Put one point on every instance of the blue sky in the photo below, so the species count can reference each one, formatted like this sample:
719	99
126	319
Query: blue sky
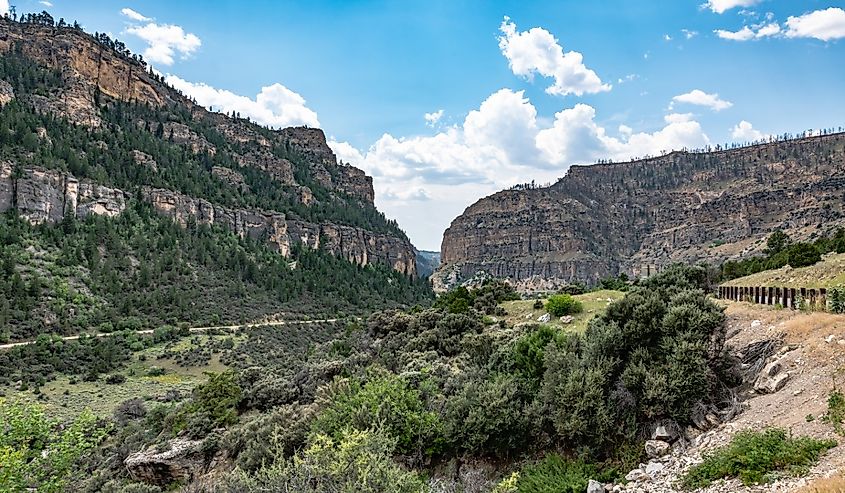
514	91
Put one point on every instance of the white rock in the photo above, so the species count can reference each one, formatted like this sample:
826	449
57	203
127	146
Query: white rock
756	323
544	318
653	468
637	475
656	448
830	338
595	487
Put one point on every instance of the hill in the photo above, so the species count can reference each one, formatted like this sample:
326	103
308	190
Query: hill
828	273
127	204
638	217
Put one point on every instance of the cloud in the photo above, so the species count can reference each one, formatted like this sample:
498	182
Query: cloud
689	34
825	25
701	98
4	7
274	106
722	6
163	40
46	3
135	16
743	34
501	143
627	78
744	131
536	51
666	37
757	31
431	119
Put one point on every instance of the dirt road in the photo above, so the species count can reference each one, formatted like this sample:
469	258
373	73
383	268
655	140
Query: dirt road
192	329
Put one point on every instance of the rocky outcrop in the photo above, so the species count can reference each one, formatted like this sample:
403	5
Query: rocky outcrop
637	217
230	176
181	461
270	227
7	93
90	74
144	159
42	195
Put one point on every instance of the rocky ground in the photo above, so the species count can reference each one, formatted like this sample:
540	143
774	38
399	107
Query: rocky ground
811	358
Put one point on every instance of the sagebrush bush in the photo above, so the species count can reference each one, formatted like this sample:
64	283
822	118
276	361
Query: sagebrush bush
563	304
555	474
357	460
757	457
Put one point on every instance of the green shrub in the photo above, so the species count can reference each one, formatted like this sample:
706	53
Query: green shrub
758	457
387	401
563	304
212	405
836	411
554	474
357	460
803	254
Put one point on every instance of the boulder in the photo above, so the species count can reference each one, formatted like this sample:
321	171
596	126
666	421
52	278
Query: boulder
544	318
770	384
595	487
637	475
666	431
656	448
654	468
178	463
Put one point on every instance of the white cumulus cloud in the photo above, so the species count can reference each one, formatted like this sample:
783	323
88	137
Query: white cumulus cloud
134	15
501	143
825	25
701	98
722	6
536	51
274	106
432	118
4	7
758	31
744	131
164	41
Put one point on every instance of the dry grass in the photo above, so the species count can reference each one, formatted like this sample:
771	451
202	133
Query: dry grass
834	484
825	274
521	311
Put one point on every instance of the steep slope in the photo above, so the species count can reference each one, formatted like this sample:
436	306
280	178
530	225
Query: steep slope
286	185
124	204
637	217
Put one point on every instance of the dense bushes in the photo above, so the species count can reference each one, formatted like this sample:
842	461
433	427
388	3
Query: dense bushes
359	461
385	401
782	251
34	451
433	385
563	304
758	457
555	474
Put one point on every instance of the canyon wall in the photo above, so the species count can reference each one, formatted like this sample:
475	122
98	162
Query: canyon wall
638	217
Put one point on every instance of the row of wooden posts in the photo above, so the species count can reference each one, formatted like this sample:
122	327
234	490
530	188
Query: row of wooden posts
785	297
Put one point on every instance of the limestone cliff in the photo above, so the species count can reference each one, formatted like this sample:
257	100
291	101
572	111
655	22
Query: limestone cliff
93	75
640	216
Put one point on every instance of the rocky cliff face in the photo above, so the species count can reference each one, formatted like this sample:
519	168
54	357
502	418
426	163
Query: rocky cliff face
92	72
640	216
42	195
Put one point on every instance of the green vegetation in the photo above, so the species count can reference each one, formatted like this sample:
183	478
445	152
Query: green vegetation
359	461
555	474
781	251
143	270
758	457
33	451
836	411
563	304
